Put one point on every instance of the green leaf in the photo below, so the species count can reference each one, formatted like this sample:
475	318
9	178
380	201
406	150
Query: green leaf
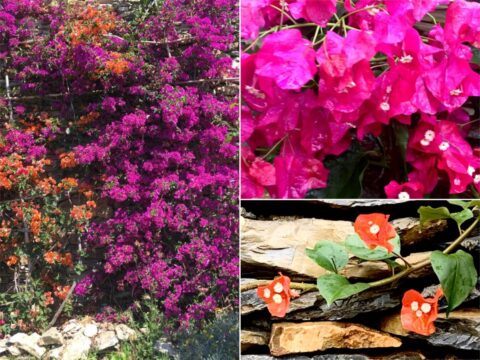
345	179
457	275
461	203
428	213
473	203
357	247
334	287
462	216
329	255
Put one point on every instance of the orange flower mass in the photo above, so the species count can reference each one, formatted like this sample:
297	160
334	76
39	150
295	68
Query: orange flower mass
375	230
418	313
277	295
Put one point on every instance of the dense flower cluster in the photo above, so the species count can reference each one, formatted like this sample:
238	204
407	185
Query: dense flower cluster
146	129
368	76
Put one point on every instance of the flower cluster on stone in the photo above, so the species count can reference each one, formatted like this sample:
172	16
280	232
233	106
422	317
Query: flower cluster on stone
277	295
327	84
144	124
419	313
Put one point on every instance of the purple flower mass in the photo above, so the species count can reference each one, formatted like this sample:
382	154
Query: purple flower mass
144	113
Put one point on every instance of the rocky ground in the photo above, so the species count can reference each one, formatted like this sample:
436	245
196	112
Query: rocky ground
72	341
366	325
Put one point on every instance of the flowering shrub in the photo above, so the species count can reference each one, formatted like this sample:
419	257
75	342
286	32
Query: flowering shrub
456	271
364	98
144	125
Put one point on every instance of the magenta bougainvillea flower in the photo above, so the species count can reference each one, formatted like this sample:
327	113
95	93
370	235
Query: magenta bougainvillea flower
316	11
408	190
367	92
287	58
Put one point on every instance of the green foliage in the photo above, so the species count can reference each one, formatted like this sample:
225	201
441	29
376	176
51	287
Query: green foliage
346	176
217	340
329	255
457	275
357	247
334	287
428	213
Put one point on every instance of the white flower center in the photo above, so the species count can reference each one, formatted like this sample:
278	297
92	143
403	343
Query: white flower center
404	195
374	229
266	293
414	306
471	170
388	89
429	135
277	298
457	181
278	288
426	308
476	180
406	59
418	313
424	142
456	92
444	146
385	106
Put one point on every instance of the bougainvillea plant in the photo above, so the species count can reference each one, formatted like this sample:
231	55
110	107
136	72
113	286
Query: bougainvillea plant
456	271
367	98
277	295
146	125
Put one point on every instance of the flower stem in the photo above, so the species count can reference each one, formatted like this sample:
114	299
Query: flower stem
378	283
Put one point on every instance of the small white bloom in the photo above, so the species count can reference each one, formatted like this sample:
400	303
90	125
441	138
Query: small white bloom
457	181
404	195
426	308
418	313
429	135
456	92
444	146
471	170
385	106
374	229
266	293
277	298
414	306
406	59
476	179
278	288
424	142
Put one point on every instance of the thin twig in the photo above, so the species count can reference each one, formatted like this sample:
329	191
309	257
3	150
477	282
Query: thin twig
60	309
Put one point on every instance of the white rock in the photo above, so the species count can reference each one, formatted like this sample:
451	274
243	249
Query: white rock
125	333
14	351
3	346
90	330
71	329
105	340
51	337
77	348
27	343
55	354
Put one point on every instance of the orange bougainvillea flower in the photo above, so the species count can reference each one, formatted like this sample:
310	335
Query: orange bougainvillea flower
375	230
67	160
48	298
418	313
12	260
52	256
277	295
62	292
